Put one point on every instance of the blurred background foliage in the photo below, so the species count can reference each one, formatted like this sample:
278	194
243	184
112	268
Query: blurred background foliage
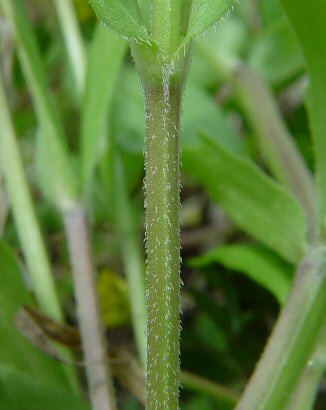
234	280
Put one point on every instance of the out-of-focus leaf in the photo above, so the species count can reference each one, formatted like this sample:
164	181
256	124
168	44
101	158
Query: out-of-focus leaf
254	201
271	10
23	392
16	353
200	113
258	263
57	178
204	14
128	104
122	17
210	333
275	53
309	23
105	59
201	402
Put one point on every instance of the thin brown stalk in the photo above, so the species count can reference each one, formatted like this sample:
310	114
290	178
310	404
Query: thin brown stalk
99	375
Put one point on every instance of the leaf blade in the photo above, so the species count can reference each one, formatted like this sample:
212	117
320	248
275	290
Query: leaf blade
254	201
312	40
121	17
57	178
105	60
258	263
204	14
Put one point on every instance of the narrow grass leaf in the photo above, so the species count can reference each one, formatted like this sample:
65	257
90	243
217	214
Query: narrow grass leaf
122	17
255	202
30	393
57	177
308	21
105	60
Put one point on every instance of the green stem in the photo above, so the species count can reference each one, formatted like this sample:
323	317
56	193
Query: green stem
166	20
24	214
73	41
163	101
307	389
295	334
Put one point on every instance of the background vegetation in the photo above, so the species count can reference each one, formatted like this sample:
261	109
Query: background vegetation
247	155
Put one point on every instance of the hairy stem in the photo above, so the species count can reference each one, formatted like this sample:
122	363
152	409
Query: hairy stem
92	333
163	100
295	334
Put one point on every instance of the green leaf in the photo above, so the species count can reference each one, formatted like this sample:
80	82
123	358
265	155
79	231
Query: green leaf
253	200
58	180
16	352
201	113
257	262
275	53
122	17
308	21
204	14
32	393
128	104
210	333
105	60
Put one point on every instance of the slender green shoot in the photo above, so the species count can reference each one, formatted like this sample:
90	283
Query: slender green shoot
306	390
294	337
73	42
57	177
24	214
220	393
